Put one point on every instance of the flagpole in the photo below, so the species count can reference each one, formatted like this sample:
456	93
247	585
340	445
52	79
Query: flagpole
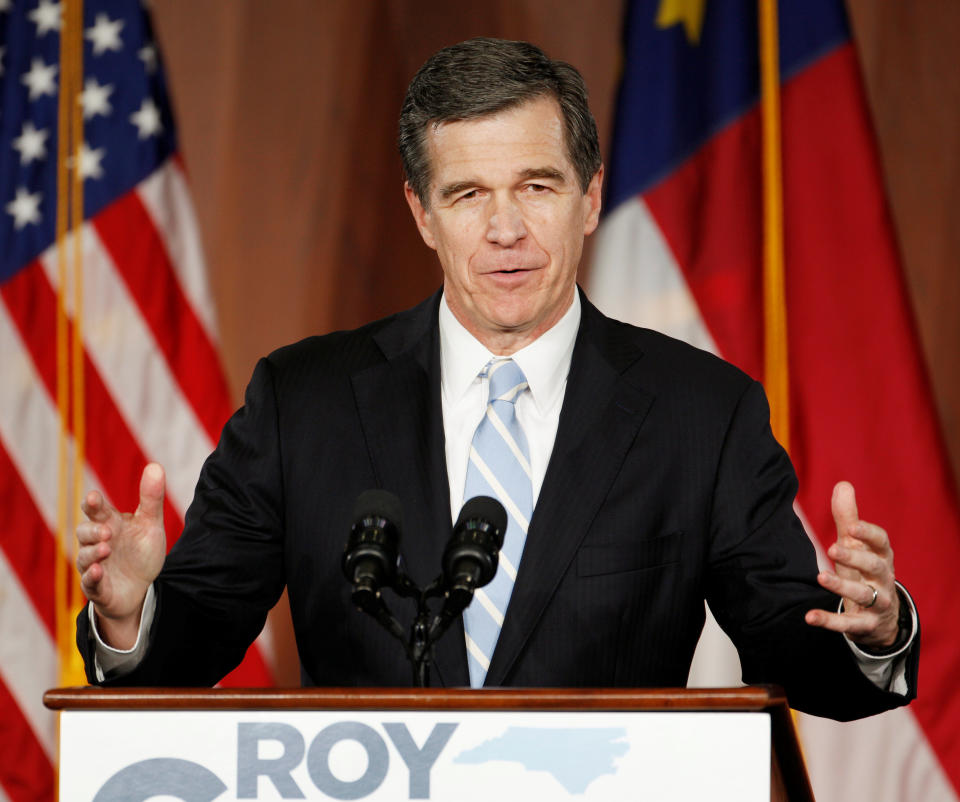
70	385
776	376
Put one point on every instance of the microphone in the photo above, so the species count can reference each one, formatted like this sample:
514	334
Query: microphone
472	554
371	562
370	555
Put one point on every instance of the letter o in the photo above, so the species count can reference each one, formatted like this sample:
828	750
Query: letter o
318	760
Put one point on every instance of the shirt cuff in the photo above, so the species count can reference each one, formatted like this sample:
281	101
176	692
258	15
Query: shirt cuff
888	671
110	663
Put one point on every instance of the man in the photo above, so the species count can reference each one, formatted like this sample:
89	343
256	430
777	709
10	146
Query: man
649	467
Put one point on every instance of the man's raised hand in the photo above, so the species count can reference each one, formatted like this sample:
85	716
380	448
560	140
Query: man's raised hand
119	556
864	577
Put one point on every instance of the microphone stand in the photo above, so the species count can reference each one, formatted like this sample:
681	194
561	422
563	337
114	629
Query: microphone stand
426	628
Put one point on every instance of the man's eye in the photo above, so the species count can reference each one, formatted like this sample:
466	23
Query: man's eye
537	188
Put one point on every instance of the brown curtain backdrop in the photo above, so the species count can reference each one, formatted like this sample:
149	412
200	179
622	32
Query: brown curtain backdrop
287	114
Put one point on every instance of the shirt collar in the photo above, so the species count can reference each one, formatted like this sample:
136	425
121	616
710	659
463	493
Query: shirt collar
545	362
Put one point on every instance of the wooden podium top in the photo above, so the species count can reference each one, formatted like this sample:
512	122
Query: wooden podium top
758	698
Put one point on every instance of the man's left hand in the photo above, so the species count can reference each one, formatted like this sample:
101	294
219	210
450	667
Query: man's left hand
864	578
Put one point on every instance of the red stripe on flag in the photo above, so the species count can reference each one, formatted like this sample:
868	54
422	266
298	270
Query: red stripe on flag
861	399
253	672
27	542
141	259
111	449
25	770
709	211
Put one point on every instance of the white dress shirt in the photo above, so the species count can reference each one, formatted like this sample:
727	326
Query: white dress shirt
464	395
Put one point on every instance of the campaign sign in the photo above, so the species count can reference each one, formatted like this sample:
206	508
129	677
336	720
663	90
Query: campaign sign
446	756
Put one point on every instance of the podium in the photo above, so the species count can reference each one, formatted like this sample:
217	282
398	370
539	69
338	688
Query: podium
201	745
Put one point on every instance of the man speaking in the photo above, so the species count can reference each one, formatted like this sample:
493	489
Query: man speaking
639	475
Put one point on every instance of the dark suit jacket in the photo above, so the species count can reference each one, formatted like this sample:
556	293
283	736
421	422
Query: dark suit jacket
665	487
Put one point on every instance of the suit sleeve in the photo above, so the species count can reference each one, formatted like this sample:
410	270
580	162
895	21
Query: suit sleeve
762	579
226	571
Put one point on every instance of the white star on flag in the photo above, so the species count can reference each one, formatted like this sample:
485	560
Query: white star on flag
48	16
40	79
148	55
105	34
147	119
95	98
5	5
31	144
25	208
88	161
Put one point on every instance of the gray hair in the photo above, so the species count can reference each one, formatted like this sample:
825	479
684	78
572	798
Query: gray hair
481	77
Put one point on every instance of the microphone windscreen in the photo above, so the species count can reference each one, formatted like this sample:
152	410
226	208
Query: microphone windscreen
380	503
486	509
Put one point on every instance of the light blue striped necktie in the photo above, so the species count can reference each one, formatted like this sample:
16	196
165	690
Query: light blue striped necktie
499	466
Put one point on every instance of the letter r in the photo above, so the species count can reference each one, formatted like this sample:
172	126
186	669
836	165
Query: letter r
250	765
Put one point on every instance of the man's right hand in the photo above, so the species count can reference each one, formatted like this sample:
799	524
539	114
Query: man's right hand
120	555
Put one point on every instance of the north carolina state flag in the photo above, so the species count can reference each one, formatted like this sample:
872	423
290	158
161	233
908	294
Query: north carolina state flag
680	250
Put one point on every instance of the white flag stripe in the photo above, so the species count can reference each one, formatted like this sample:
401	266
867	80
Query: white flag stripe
28	658
479	595
498	489
508	439
135	371
885	758
30	425
478	655
637	280
166	197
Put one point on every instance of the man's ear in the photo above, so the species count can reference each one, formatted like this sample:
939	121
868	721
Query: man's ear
420	215
591	200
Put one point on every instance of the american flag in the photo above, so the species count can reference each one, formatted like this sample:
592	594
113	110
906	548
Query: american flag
152	386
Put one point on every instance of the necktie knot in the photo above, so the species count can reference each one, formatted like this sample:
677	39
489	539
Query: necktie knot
506	380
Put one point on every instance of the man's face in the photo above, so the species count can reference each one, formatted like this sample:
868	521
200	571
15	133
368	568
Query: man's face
507	219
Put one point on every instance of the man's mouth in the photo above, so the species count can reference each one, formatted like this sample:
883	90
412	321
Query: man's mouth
508	270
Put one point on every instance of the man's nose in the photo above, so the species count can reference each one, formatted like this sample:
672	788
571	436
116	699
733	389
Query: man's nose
505	225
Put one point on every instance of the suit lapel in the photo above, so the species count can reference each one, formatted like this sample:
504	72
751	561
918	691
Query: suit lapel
601	415
398	402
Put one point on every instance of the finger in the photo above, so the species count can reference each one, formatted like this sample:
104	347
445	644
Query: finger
858	561
871	535
860	624
860	593
151	492
96	507
90	532
90	580
843	505
88	555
